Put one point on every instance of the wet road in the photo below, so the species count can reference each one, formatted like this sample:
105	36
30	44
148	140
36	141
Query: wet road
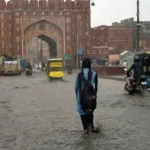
38	115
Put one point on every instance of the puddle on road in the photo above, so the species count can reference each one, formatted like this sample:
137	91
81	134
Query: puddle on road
118	104
3	102
16	87
47	81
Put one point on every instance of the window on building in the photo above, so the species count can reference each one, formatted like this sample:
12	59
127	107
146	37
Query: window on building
17	28
17	39
9	17
68	38
68	29
2	44
100	52
2	25
68	20
2	33
9	26
2	16
17	20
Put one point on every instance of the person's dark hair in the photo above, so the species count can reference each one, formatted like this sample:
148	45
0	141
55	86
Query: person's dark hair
136	59
86	63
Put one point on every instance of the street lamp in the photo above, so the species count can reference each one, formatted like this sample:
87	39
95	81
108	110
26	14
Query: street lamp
92	4
138	25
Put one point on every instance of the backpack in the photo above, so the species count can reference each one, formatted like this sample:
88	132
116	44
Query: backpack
87	93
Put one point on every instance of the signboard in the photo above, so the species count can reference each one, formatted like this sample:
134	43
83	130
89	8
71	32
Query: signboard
56	64
67	56
80	51
148	52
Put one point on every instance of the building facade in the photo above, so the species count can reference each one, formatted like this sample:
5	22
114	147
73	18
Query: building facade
144	32
111	39
62	24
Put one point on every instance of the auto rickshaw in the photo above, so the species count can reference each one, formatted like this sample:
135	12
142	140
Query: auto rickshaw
55	68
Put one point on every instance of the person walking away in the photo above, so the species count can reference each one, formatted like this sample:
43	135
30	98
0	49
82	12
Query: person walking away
86	86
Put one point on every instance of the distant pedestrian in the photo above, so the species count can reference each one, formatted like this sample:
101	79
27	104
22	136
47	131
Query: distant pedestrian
86	86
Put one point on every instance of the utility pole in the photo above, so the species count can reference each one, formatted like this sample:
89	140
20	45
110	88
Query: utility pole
138	25
86	37
41	51
77	45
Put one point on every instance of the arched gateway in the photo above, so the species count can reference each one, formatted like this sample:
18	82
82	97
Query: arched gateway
63	24
47	32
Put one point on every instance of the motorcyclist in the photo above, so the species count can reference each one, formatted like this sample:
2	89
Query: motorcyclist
28	66
137	72
69	68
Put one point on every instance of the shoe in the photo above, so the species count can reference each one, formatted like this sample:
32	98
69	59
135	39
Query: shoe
86	132
95	131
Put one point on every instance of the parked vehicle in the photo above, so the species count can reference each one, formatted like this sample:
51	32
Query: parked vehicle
10	66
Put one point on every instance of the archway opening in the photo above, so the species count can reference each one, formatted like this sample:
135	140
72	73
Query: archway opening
41	48
52	45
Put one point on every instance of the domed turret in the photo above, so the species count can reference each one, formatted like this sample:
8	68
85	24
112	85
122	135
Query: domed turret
2	4
9	5
33	4
17	4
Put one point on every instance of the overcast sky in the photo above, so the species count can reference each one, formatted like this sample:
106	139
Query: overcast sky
107	11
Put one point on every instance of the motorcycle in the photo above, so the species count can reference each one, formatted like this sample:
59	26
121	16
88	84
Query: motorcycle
28	71
69	71
125	70
136	87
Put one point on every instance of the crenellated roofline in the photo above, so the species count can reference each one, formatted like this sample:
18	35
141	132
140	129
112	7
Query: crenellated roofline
45	4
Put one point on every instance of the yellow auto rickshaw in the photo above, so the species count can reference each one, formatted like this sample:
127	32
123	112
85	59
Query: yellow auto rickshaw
55	68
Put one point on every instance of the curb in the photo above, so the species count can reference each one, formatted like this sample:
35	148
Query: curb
112	78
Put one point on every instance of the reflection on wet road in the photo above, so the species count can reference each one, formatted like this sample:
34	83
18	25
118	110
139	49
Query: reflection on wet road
38	115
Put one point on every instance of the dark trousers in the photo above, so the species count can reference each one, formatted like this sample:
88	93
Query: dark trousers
87	120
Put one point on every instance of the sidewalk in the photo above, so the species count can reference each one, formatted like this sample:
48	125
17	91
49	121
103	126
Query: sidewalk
116	77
